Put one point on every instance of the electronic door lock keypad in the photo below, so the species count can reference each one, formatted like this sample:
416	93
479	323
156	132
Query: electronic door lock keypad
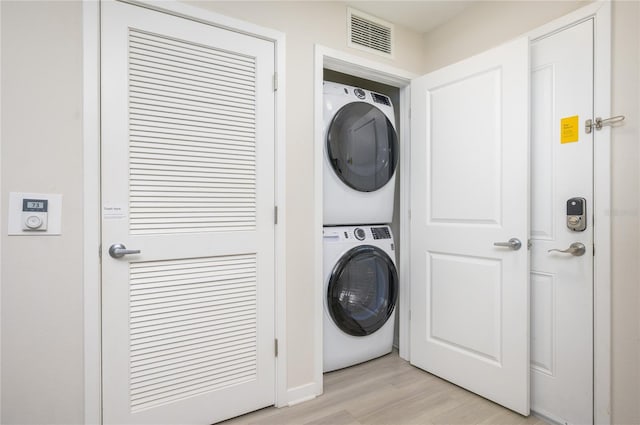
577	214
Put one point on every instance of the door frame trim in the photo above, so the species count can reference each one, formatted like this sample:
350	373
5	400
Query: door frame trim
91	189
358	66
600	12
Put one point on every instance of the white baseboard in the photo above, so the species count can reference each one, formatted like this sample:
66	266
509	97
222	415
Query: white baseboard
547	418
301	394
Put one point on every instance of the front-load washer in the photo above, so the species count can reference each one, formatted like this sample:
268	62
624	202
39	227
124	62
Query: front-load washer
360	156
360	294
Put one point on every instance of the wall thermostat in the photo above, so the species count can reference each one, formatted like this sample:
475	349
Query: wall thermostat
35	214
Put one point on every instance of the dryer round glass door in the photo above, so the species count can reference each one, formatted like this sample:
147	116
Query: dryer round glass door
362	290
362	146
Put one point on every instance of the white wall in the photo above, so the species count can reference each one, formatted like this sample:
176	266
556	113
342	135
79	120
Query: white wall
491	23
488	24
42	343
625	218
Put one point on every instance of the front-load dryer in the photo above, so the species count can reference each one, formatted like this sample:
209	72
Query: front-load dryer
360	294
360	156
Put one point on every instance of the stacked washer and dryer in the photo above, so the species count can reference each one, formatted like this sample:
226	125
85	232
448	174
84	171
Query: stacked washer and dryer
360	275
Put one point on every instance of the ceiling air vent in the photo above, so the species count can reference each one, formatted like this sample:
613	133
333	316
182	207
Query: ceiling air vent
369	33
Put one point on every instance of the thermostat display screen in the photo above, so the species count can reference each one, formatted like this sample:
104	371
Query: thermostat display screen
37	205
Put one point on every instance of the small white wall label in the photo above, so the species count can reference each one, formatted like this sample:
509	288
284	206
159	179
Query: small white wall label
114	212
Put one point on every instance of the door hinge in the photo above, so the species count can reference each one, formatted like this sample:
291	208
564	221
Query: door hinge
100	252
275	214
594	250
275	81
276	346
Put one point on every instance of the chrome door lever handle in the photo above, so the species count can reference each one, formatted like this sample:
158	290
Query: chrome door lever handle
513	243
576	249
117	250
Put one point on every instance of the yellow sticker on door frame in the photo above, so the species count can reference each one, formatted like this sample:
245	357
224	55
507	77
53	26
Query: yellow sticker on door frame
569	131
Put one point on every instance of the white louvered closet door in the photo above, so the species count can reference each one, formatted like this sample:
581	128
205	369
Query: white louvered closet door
187	179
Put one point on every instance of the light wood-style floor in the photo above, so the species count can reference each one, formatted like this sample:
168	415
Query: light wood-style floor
387	391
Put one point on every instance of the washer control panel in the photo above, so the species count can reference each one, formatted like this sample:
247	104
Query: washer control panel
360	94
381	232
356	233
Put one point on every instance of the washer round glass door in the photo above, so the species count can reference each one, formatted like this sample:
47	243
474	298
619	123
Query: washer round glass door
362	290
362	146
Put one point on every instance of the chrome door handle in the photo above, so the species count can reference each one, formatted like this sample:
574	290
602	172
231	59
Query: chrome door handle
577	249
513	243
117	250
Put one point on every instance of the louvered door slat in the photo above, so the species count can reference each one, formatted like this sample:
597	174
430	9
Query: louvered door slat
181	336
144	118
158	325
193	263
187	105
189	64
188	363
153	78
180	302
245	162
177	392
162	375
159	317
144	362
143	128
184	374
194	50
194	146
150	113
194	291
150	317
177	174
146	357
183	58
154	274
180	202
240	100
188	324
203	180
239	334
153	321
202	349
186	112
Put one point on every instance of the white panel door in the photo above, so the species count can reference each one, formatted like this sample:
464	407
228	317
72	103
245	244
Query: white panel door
187	179
561	283
469	189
